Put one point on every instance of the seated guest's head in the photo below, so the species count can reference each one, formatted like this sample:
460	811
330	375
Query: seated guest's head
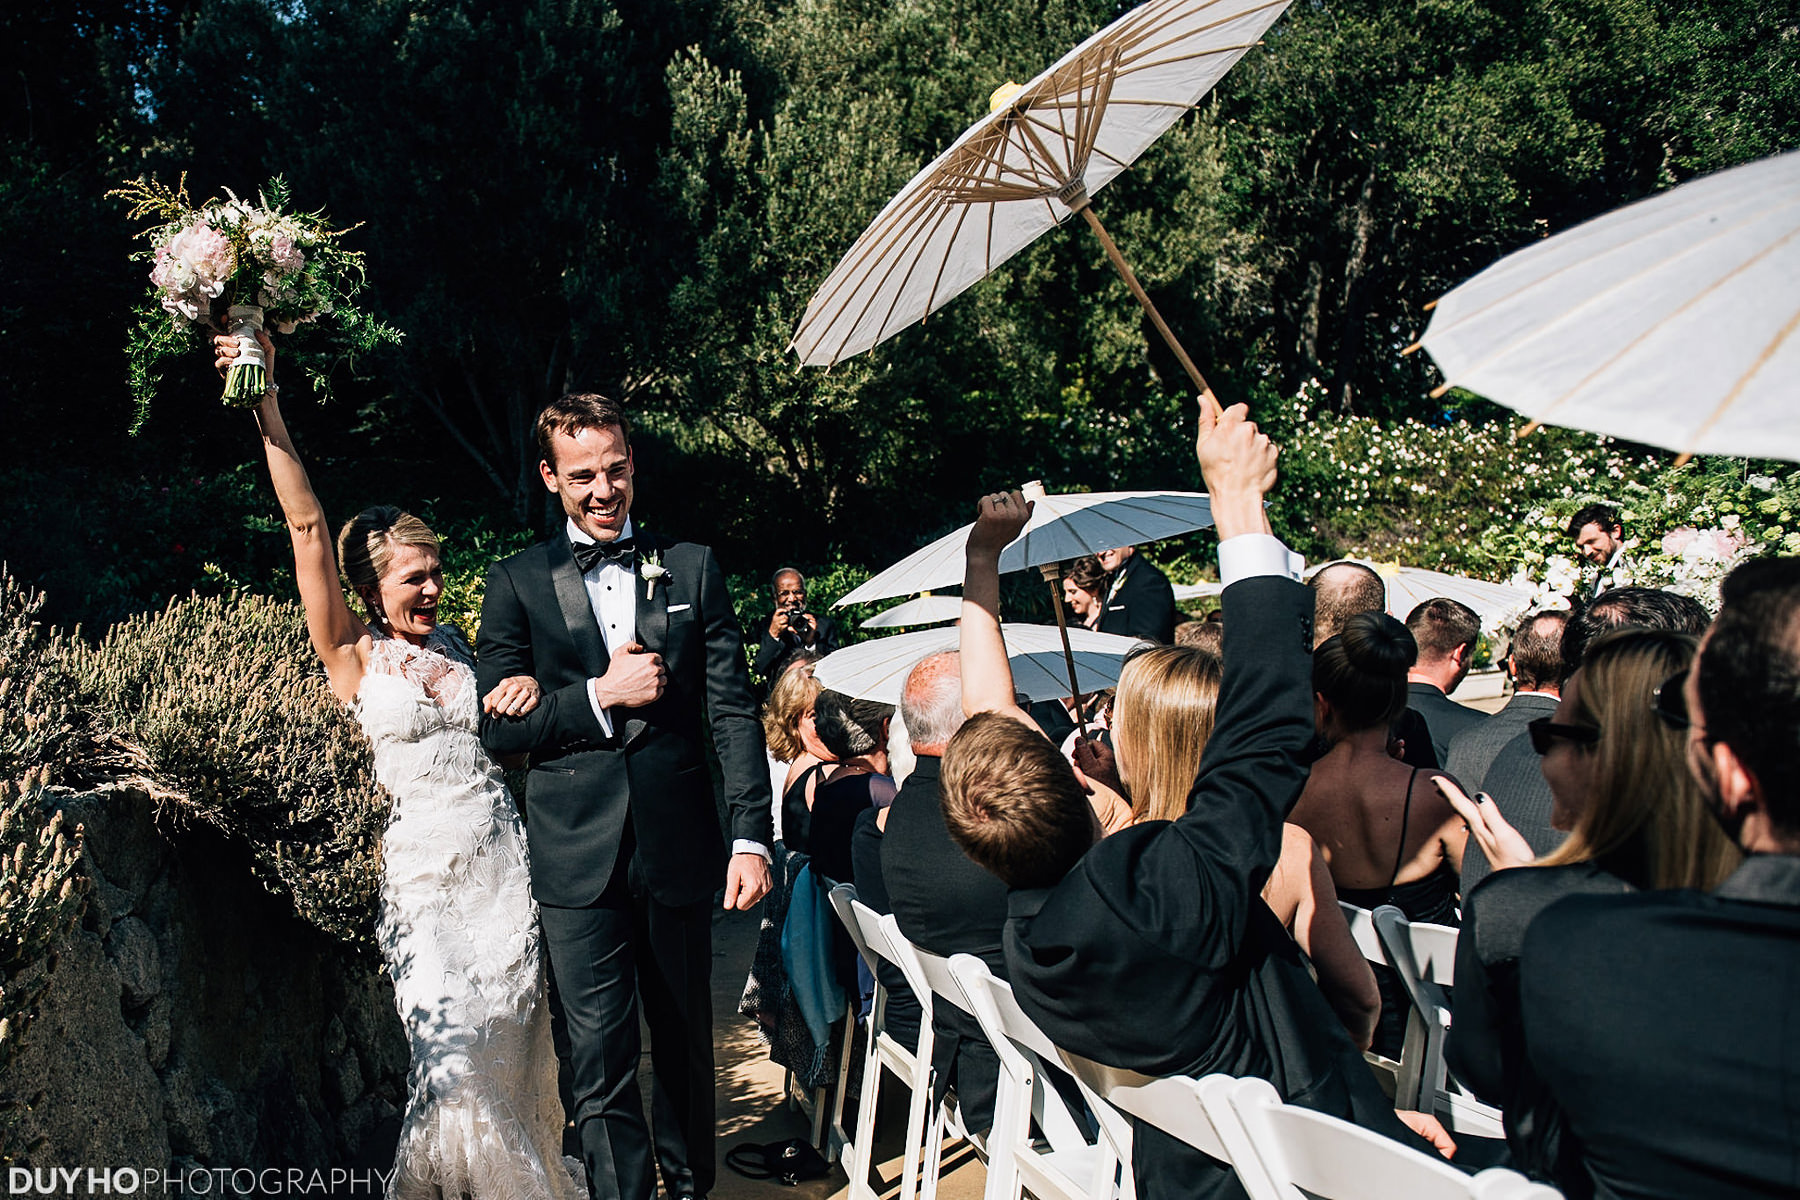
1163	717
1644	608
1743	708
931	702
1618	780
1446	631
787	714
1012	802
1359	675
851	728
1208	637
1535	660
1340	591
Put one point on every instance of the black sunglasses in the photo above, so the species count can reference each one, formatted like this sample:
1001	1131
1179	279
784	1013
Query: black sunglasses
1544	733
1670	701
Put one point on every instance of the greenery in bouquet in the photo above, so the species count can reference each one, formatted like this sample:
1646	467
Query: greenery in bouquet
239	267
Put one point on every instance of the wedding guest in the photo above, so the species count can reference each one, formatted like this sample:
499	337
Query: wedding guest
1167	698
1150	950
855	732
788	704
943	902
1446	632
1387	835
1662	1022
1599	537
791	627
1340	591
1208	637
1140	602
1085	584
1513	780
1534	663
1636	821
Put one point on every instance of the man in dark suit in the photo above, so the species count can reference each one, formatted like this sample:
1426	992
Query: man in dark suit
1535	665
1514	781
1600	539
631	636
1446	632
1662	1022
1152	950
942	901
791	628
1141	601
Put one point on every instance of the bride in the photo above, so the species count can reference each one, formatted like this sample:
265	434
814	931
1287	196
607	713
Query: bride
458	928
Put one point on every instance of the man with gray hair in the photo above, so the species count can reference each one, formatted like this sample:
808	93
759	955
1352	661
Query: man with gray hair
942	901
792	628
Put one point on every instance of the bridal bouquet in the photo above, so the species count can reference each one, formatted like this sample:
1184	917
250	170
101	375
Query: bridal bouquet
239	267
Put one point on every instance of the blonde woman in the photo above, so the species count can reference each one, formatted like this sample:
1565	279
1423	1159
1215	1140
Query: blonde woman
1162	720
458	928
1620	786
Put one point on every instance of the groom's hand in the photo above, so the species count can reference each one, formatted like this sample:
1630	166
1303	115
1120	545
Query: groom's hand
635	677
746	881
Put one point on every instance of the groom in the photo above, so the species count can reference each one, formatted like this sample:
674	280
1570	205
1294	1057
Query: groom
630	636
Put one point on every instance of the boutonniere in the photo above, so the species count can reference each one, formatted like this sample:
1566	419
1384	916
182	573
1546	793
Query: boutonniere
652	570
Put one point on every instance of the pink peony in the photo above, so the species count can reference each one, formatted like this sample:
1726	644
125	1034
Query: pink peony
1676	540
206	251
284	254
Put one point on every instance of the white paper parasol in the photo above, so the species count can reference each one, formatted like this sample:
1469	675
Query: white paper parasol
1671	321
877	669
1027	167
923	610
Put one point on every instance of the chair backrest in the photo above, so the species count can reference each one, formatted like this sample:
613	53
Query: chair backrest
843	901
932	970
1309	1152
1418	950
1362	931
883	940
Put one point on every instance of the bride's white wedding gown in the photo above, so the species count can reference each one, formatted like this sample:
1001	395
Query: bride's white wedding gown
459	932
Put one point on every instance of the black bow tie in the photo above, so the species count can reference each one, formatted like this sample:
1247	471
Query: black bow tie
589	555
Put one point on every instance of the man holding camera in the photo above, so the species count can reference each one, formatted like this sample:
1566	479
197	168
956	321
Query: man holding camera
791	627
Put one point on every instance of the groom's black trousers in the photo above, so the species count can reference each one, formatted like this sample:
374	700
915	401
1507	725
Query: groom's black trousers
623	948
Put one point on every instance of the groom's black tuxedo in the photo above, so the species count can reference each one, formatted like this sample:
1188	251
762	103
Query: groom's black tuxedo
626	849
536	620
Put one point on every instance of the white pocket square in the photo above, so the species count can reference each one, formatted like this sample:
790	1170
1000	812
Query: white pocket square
675	608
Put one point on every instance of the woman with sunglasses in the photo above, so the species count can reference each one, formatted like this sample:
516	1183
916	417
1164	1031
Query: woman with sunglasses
1614	757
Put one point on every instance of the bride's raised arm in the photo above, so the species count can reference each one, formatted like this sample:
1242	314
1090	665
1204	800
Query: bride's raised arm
337	634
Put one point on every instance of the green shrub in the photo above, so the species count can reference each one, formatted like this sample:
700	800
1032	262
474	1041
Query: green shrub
41	898
45	723
228	713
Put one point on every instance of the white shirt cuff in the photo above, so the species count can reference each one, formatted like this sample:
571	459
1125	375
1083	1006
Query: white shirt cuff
1251	554
600	714
746	846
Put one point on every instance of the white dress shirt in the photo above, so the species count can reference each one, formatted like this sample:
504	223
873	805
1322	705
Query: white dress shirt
612	594
1251	554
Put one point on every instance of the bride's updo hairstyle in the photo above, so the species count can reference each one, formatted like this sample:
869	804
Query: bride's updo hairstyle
366	549
1362	670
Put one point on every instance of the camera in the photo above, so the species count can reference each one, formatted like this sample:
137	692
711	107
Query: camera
799	623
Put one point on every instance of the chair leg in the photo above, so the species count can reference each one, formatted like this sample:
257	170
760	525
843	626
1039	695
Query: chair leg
858	1154
838	1134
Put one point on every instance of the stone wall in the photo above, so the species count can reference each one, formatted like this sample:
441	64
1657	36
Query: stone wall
193	1021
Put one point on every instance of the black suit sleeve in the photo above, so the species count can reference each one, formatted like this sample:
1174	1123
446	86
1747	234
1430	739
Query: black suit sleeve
563	719
768	651
737	734
1153	613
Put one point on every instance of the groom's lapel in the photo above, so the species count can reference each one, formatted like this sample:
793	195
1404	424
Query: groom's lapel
652	611
577	610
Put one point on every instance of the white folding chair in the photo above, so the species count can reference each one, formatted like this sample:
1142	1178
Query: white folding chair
1424	956
1064	1165
874	937
1308	1154
1362	931
1195	1111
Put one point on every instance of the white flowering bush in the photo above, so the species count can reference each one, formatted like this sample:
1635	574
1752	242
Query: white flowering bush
1472	497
